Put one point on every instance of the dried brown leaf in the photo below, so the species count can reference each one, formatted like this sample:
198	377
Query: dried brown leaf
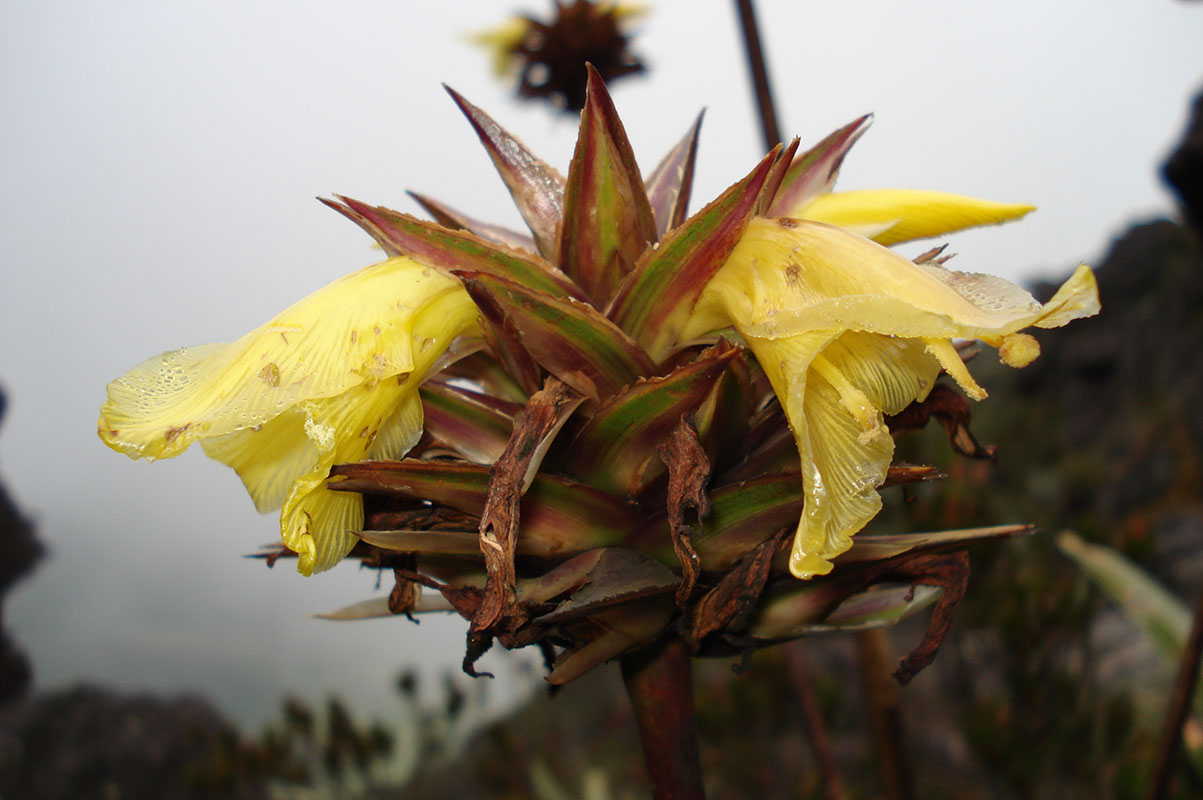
951	573
727	606
688	474
509	477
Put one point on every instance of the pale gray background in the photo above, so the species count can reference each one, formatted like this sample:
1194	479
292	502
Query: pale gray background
159	160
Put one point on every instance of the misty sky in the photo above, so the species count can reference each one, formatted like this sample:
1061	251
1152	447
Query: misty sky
159	163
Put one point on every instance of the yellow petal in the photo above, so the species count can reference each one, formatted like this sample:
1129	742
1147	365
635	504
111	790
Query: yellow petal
844	449
318	524
900	215
334	379
356	329
377	419
790	276
847	330
891	372
268	458
1078	297
951	360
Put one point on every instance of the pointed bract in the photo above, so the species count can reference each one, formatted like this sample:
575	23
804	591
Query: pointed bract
570	340
671	182
558	515
654	303
608	222
814	172
616	448
477	426
450	218
448	250
537	189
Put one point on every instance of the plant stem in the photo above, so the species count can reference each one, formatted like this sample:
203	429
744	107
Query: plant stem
882	699
1180	700
812	719
760	74
660	684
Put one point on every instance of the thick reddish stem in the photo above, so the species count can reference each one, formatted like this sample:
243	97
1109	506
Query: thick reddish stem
660	684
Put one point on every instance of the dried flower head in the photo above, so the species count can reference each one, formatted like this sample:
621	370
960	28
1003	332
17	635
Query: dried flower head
549	57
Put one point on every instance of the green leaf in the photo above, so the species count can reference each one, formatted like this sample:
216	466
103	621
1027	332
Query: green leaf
571	340
616	449
1148	605
824	605
475	425
617	576
671	182
484	374
879	548
1145	602
654	302
608	221
786	609
537	189
558	516
449	250
722	418
742	516
504	342
814	172
451	544
450	218
879	605
617	630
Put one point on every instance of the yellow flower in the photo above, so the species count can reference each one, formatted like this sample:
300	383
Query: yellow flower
892	216
848	331
887	216
332	379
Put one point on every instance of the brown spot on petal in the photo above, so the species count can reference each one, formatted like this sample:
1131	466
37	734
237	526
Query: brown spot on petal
173	432
270	375
793	276
786	222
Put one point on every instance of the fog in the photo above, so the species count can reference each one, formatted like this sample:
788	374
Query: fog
159	163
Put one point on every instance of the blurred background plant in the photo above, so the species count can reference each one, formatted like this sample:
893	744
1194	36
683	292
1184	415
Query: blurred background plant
545	55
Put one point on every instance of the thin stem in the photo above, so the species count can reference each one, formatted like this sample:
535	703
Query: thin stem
812	719
659	682
760	74
882	698
1180	700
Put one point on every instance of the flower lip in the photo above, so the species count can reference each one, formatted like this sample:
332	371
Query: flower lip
312	386
848	331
